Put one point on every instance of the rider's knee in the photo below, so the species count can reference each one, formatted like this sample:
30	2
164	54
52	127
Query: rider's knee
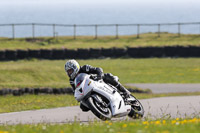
109	78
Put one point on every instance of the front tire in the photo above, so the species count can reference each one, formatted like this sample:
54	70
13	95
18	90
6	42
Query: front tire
101	111
137	110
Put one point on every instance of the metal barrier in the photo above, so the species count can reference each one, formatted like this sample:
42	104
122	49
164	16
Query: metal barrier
177	28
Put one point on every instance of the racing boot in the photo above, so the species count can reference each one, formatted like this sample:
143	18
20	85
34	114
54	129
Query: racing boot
125	92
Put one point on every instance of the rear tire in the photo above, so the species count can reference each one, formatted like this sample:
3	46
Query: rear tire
102	112
137	110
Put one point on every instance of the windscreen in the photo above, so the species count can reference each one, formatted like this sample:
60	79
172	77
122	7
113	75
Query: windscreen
79	79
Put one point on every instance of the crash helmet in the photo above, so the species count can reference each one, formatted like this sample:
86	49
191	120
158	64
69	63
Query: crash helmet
72	68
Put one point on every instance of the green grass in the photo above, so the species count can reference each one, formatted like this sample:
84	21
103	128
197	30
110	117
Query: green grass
45	73
148	39
155	126
11	103
31	102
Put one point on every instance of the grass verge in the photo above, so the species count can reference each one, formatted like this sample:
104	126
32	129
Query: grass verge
46	73
32	102
11	103
155	126
148	39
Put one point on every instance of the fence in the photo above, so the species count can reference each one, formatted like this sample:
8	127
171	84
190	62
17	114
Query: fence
10	30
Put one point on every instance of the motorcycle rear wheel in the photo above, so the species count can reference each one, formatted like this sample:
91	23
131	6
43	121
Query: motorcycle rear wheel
102	112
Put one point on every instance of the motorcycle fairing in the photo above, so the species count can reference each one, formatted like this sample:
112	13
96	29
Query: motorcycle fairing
117	104
85	85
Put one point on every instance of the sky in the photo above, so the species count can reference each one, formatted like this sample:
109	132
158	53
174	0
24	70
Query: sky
133	9
96	2
117	4
99	11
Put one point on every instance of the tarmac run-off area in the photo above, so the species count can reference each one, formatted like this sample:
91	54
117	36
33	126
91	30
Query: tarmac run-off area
165	107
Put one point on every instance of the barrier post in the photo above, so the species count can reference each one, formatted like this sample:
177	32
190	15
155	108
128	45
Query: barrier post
179	29
74	32
33	30
96	30
158	30
138	31
117	31
54	30
13	31
199	28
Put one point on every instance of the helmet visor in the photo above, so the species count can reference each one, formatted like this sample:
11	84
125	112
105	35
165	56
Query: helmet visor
70	71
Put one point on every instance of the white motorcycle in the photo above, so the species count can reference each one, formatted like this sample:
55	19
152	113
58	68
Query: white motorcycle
104	100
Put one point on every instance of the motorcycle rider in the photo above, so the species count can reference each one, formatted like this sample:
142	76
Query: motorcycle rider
72	68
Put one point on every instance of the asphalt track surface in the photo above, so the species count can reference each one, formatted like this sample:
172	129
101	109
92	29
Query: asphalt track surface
165	107
168	88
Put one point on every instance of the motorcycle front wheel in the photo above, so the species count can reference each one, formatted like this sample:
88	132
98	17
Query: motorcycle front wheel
99	106
137	110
